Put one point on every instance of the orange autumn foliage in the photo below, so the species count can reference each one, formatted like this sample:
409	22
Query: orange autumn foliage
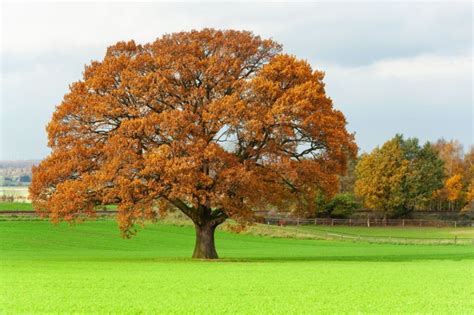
214	123
454	187
458	190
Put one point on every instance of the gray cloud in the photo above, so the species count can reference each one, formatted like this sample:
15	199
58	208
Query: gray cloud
391	67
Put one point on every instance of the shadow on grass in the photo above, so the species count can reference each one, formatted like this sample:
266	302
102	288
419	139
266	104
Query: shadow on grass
284	259
270	259
385	258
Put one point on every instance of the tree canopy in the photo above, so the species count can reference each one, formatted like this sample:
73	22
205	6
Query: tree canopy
458	190
399	176
213	123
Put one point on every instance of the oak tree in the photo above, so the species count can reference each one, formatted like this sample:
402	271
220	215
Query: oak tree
213	123
380	175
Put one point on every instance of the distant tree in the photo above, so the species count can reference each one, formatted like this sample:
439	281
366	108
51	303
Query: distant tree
451	152
425	174
213	123
459	170
454	188
25	178
399	176
468	164
380	176
469	178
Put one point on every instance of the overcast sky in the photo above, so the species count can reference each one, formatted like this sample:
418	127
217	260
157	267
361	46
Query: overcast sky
390	67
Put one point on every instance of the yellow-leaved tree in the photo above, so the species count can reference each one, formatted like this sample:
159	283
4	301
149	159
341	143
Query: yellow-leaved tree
380	175
456	194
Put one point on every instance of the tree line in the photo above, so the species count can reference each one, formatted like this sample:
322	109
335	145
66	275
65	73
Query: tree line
403	176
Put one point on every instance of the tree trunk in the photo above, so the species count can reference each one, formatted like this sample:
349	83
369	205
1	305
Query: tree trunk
205	247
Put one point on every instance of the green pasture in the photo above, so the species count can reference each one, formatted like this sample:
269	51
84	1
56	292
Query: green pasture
88	268
408	232
15	206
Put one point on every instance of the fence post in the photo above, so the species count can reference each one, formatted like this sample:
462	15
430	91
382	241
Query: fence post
368	222
455	223
455	239
332	222
403	222
316	221
350	222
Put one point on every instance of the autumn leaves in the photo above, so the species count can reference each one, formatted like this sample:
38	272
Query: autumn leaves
402	176
214	123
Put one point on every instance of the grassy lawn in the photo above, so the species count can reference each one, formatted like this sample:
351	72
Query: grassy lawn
410	232
87	268
15	206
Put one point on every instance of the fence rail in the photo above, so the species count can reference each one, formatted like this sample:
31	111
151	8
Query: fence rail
286	220
366	222
400	239
294	224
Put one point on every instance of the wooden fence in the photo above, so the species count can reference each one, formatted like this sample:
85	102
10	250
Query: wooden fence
455	240
286	220
365	222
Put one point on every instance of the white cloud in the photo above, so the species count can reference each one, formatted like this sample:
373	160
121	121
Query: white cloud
424	79
38	28
341	32
48	27
424	67
426	96
390	67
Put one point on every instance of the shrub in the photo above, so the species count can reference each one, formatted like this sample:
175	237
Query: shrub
341	205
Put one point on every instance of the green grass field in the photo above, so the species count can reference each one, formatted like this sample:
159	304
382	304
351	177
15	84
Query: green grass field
87	268
15	206
409	232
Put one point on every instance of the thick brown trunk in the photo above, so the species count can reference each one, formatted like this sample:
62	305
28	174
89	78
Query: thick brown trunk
205	247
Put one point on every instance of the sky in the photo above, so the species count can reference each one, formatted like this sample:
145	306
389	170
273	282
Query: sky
391	67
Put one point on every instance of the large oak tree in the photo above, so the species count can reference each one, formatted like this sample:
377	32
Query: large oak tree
213	123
